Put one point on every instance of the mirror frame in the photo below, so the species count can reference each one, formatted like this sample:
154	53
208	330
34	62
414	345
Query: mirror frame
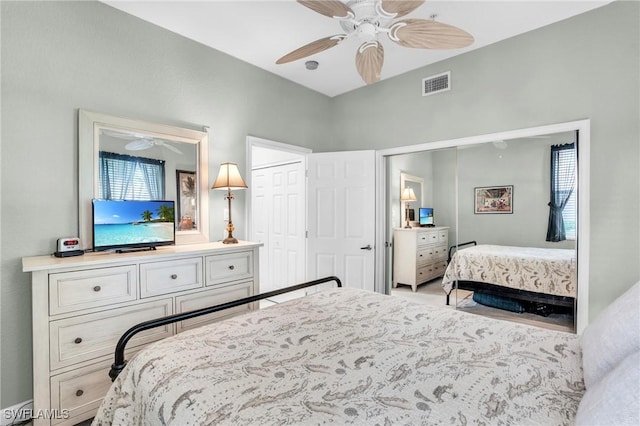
583	238
404	178
89	125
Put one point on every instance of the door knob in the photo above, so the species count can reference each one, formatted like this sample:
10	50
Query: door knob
367	247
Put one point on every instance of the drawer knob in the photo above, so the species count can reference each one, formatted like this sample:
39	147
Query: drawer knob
79	392
78	340
97	288
232	267
174	276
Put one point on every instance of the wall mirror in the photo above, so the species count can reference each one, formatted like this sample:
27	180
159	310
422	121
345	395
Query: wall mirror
417	184
519	159
122	158
521	166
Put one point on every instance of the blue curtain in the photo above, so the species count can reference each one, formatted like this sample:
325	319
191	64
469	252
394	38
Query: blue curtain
563	176
153	180
128	177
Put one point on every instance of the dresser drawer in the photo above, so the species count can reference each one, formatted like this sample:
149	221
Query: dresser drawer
89	336
439	268
430	271
79	392
428	237
422	238
424	273
213	297
169	277
443	237
74	291
229	267
424	255
440	252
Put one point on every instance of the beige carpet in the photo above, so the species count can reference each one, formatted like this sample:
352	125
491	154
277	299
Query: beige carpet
432	293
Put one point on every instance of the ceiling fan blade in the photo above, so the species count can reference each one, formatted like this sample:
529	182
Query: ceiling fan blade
425	34
400	7
139	144
312	48
120	135
369	59
169	147
330	8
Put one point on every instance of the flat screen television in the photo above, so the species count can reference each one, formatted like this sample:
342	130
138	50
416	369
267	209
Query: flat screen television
425	216
126	224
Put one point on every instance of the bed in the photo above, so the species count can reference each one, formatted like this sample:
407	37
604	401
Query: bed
348	356
534	274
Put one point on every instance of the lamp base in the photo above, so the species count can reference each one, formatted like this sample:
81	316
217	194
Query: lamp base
230	240
230	228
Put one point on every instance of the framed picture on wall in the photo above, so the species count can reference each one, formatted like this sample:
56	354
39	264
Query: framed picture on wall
186	202
493	199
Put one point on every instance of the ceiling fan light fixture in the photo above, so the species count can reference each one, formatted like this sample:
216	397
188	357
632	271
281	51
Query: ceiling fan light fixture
366	31
365	19
311	65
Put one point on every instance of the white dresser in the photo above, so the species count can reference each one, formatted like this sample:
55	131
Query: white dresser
82	305
419	255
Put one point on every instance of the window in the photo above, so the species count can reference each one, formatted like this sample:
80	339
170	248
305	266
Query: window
125	177
562	212
567	161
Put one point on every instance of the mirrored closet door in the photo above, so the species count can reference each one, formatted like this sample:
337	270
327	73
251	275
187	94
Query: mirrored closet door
494	198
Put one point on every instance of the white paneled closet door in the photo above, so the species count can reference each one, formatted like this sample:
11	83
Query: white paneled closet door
341	217
260	222
278	221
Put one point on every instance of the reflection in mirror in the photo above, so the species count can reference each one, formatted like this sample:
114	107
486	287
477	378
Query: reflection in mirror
124	159
487	155
524	165
416	184
504	190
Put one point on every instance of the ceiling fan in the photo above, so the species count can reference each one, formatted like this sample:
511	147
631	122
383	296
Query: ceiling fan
140	142
366	19
146	143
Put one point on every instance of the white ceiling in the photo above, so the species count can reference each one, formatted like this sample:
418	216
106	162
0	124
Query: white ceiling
261	31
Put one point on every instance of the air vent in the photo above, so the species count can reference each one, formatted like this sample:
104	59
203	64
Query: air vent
436	84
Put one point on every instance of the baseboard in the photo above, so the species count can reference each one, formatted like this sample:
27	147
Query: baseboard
17	413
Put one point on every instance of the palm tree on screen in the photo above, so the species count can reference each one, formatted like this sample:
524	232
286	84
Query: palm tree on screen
165	212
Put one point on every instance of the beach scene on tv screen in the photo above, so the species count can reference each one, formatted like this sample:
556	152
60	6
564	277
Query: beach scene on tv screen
118	223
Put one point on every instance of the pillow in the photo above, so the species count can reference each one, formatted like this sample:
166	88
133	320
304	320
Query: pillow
614	400
612	336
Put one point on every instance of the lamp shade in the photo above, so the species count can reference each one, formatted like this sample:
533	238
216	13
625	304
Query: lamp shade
229	177
408	195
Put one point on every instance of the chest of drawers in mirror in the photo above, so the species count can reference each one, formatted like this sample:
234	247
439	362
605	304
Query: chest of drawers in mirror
419	255
82	305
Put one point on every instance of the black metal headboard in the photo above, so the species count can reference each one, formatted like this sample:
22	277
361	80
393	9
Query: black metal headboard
457	246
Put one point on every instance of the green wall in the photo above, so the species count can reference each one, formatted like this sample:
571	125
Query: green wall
61	56
525	164
586	67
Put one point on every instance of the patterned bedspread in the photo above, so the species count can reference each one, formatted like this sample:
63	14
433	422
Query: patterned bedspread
541	270
347	356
